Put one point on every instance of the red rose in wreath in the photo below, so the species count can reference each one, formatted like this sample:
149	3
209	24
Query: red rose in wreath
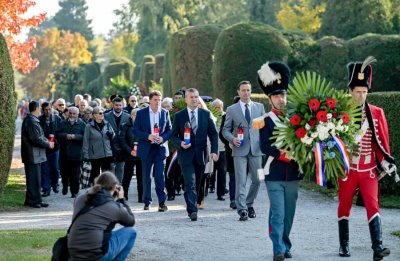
314	104
312	123
322	116
331	103
301	132
345	117
295	120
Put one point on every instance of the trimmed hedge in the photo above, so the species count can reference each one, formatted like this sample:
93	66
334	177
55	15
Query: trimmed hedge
96	87
167	89
389	102
158	67
148	74
90	72
116	68
190	58
146	59
8	112
240	51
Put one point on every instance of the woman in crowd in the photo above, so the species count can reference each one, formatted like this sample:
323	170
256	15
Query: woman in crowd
128	140
97	144
91	236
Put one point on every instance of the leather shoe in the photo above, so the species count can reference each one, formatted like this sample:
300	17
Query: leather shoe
279	257
193	216
170	198
162	208
73	195
243	215
46	194
221	198
232	205
288	254
212	190
252	213
56	189
64	190
146	207
38	205
44	205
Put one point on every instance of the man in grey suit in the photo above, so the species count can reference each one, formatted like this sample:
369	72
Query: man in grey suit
246	152
117	117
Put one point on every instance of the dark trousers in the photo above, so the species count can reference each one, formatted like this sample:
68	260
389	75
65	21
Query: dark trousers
97	164
70	172
50	171
33	184
128	173
232	185
220	173
192	174
173	179
157	161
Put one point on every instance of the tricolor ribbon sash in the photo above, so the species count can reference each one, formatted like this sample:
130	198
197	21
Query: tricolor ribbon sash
343	152
319	164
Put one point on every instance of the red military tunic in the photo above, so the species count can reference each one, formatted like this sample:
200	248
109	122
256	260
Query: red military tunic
374	149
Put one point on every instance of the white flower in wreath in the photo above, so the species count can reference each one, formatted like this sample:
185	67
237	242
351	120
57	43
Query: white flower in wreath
323	132
346	128
314	135
307	126
307	140
329	116
330	126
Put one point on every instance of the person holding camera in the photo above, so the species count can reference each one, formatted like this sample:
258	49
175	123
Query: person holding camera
91	236
97	144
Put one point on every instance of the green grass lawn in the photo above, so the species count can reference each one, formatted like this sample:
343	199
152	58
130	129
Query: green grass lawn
396	233
13	196
21	245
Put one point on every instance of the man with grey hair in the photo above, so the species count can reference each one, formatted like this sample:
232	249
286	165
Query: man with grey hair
166	103
70	136
82	105
77	100
60	106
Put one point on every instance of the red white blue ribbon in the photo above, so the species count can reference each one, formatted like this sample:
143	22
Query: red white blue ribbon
343	152
319	164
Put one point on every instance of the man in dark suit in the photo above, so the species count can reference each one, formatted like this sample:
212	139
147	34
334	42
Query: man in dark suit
117	117
191	156
152	147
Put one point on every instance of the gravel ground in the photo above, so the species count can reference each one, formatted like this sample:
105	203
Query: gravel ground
218	235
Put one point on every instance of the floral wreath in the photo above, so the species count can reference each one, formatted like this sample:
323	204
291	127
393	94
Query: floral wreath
320	128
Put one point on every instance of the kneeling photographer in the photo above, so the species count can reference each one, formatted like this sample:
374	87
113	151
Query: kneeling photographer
91	236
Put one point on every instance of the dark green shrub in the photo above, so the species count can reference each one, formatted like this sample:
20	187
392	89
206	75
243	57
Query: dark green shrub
8	101
114	69
148	75
167	89
90	72
190	58
146	59
240	51
96	87
158	67
389	102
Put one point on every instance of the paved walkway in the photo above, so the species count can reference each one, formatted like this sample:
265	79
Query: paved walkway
218	235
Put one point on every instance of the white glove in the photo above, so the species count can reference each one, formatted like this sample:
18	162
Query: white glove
389	168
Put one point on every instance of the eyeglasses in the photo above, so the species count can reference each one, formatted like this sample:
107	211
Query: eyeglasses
133	101
100	113
61	104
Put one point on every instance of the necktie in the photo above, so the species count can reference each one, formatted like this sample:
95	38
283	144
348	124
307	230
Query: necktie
247	113
193	122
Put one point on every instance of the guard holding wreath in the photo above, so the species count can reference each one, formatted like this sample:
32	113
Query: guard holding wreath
369	163
281	171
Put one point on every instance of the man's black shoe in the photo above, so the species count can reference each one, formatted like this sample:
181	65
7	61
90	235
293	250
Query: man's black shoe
64	190
232	205
252	213
243	215
221	198
170	198
212	190
162	207
44	205
226	191
146	207
73	195
193	216
46	194
38	205
56	189
288	254
279	257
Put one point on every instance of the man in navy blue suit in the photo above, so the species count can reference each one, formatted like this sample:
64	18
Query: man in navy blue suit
153	128
191	156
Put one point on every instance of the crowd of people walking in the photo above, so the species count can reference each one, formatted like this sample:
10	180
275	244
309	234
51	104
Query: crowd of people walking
190	151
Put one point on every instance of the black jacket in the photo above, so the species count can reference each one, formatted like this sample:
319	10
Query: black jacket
71	149
127	139
51	128
33	141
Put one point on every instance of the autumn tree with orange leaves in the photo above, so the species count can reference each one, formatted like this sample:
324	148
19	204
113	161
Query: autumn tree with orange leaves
12	21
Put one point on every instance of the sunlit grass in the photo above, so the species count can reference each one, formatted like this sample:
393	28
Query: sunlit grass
14	194
396	233
18	245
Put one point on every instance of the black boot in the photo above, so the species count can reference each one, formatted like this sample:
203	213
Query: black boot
376	238
344	249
